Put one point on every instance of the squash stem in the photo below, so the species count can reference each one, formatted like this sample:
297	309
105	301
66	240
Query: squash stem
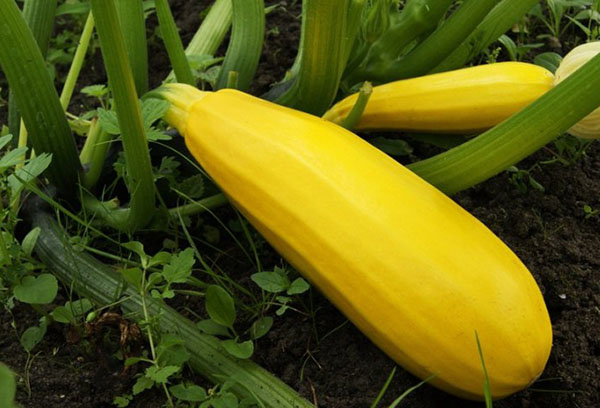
133	27
211	32
321	60
438	45
77	63
498	21
39	16
245	45
416	19
173	44
359	106
140	180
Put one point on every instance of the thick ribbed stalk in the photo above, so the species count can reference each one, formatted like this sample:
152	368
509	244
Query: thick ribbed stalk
417	18
213	29
211	32
133	26
516	138
25	69
140	180
77	63
497	22
39	16
322	56
439	44
170	35
245	45
101	284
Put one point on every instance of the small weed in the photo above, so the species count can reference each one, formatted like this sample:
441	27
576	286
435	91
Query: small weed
590	212
568	150
523	180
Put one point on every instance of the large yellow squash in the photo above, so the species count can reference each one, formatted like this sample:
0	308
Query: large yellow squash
464	101
410	268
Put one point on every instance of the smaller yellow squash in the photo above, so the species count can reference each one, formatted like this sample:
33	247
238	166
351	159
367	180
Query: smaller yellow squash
464	101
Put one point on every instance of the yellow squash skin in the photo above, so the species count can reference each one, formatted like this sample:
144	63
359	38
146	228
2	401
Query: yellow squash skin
464	101
410	268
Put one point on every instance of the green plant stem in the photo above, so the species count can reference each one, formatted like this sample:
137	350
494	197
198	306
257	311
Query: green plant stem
137	157
245	45
85	156
439	44
321	56
213	29
516	138
359	107
146	315
199	207
170	35
102	285
498	21
77	63
355	11
211	32
96	159
417	18
133	27
25	69
39	16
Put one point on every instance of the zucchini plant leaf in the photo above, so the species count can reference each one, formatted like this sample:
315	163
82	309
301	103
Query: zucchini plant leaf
37	290
219	305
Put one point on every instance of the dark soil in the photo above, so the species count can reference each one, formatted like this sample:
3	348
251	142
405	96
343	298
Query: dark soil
548	230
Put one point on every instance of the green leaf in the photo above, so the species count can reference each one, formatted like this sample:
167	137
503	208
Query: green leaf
179	268
95	90
154	135
152	110
122	401
133	276
8	387
109	121
29	241
71	311
192	186
160	258
271	281
548	60
242	350
30	171
37	290
32	336
171	351
142	384
225	400
138	248
12	158
298	286
72	8
219	305
160	375
3	142
188	392
209	327
261	327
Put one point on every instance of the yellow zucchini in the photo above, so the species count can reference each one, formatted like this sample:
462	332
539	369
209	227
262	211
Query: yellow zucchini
464	101
409	267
